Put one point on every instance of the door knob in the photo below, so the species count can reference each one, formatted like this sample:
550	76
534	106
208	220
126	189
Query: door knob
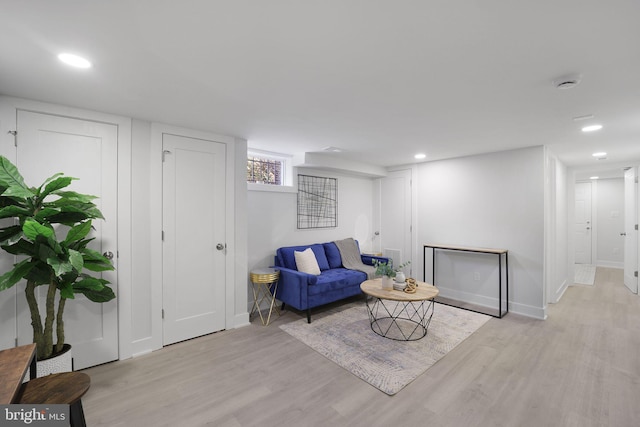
623	234
108	255
588	228
219	246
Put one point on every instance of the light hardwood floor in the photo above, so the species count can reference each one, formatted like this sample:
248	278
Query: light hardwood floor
580	367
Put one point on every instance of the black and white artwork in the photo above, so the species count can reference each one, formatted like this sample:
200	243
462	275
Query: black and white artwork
317	202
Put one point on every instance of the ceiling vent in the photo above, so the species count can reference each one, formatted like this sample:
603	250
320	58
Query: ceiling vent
567	82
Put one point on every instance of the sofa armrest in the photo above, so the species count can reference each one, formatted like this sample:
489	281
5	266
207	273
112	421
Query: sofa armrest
368	259
296	277
293	287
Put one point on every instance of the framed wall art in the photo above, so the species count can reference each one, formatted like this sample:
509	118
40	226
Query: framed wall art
317	202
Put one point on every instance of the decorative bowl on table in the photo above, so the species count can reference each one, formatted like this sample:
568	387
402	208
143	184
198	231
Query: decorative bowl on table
399	286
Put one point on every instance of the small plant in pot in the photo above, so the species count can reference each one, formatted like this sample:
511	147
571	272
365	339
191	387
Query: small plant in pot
388	273
50	238
384	268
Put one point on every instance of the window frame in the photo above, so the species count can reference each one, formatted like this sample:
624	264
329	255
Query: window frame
286	176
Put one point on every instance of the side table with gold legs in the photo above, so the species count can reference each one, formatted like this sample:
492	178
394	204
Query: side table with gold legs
265	284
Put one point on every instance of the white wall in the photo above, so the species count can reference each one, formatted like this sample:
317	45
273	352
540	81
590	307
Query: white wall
496	201
556	230
272	218
141	290
609	220
8	297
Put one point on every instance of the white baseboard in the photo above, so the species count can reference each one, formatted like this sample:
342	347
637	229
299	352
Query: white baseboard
142	346
142	353
557	295
528	311
480	300
241	320
492	303
610	264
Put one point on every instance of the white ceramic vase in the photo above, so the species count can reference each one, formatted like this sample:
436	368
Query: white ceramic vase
387	282
400	277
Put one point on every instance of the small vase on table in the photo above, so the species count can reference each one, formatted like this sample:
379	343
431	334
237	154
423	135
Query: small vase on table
387	282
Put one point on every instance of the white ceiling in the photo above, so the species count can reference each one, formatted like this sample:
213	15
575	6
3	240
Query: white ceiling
380	79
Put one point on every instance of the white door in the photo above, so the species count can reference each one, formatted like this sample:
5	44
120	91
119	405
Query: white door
86	150
193	255
583	226
630	233
395	217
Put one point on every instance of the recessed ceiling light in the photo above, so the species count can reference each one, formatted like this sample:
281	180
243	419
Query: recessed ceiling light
333	149
420	156
591	128
594	177
600	155
74	60
585	117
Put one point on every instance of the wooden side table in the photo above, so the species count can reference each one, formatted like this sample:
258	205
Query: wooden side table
265	284
66	388
14	363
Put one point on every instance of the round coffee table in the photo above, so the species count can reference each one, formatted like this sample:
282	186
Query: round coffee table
396	314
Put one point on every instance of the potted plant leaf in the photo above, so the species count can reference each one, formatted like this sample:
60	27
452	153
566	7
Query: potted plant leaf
50	237
386	270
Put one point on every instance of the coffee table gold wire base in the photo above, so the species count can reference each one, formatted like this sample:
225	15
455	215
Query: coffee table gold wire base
400	320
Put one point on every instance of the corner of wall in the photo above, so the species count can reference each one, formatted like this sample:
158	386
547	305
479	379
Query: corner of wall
240	315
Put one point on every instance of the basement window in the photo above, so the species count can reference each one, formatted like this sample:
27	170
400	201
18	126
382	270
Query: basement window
268	171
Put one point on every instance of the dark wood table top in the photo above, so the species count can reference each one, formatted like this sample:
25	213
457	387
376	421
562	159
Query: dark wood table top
14	363
63	388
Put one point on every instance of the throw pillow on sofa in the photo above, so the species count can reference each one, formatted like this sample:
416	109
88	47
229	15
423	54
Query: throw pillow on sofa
306	262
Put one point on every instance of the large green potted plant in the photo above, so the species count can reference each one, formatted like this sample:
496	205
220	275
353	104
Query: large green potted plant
49	235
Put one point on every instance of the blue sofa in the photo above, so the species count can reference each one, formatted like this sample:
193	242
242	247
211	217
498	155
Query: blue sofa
305	291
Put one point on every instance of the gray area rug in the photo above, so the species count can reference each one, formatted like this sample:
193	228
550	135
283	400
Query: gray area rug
345	337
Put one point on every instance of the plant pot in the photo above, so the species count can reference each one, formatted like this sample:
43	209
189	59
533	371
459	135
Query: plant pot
61	362
387	282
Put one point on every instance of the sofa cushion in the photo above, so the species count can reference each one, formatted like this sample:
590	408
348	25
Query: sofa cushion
306	262
333	255
337	278
287	257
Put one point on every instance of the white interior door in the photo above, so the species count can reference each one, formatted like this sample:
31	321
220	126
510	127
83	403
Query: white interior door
583	226
395	217
630	232
194	237
86	150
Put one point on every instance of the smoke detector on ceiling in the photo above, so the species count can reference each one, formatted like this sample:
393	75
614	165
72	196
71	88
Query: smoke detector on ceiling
567	82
